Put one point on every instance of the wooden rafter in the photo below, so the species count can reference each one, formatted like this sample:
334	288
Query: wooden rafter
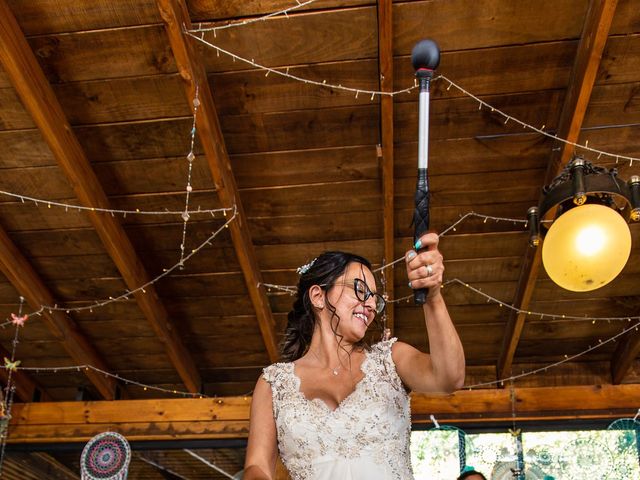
40	101
594	36
624	356
27	282
176	18
385	63
228	417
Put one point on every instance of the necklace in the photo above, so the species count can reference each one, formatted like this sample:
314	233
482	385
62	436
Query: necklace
335	370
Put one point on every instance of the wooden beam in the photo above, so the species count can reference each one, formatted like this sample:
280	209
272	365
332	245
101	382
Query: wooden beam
385	65
27	282
228	417
176	18
624	356
594	37
39	99
583	76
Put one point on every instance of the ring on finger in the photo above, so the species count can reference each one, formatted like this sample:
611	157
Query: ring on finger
429	270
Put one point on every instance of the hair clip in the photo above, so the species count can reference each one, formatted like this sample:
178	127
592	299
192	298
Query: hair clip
305	268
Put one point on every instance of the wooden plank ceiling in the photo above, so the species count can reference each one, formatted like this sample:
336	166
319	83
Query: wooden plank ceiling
96	110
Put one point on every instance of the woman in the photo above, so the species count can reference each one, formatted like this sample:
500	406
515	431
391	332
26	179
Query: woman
337	409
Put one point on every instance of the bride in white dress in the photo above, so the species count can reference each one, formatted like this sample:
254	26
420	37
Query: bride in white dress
336	408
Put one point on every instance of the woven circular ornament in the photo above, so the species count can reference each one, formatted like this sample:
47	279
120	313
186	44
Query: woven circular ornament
105	457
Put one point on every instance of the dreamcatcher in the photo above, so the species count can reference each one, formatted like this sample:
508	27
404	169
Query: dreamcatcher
627	442
462	443
105	457
630	425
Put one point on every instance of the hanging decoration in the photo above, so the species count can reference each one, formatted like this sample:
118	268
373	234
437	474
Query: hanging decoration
517	472
190	158
632	426
462	444
11	365
105	457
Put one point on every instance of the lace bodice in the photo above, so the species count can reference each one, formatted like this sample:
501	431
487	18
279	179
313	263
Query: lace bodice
365	437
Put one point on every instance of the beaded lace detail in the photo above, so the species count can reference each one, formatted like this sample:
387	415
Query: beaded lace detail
370	426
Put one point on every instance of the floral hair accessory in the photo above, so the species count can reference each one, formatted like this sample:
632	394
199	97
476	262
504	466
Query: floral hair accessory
305	268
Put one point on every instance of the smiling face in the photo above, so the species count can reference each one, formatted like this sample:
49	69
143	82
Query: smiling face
354	315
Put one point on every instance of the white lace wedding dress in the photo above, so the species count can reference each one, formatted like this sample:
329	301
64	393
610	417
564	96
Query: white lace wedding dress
365	438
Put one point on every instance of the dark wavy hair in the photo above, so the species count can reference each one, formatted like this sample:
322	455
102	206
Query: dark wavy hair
301	320
468	473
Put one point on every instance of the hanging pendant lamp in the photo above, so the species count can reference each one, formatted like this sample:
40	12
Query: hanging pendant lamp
588	243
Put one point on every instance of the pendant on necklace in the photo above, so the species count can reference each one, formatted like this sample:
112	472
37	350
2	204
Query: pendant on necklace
335	371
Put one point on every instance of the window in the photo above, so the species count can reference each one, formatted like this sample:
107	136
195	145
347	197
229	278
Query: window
561	455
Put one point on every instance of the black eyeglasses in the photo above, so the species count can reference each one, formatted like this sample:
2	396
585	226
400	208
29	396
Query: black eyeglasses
363	293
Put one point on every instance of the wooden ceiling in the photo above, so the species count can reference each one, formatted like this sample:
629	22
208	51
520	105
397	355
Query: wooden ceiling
96	110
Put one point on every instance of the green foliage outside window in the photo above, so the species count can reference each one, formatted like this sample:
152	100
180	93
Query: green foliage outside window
562	455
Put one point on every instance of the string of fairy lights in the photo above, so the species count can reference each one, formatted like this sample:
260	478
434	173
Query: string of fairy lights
284	72
284	12
140	289
69	207
292	289
13	366
567	358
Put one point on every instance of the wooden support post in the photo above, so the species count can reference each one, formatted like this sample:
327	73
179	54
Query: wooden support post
385	63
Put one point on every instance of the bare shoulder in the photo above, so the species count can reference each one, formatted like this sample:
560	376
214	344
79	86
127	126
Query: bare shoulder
263	389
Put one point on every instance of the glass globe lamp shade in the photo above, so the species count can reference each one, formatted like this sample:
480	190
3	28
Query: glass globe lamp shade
586	247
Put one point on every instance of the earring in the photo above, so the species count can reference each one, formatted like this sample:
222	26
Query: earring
320	306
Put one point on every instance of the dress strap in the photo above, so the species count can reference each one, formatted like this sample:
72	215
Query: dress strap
282	381
383	360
